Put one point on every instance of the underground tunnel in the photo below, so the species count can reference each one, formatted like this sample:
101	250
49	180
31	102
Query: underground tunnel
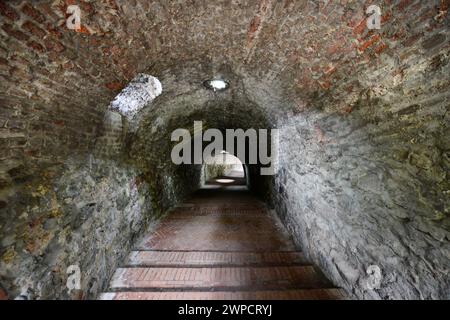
92	205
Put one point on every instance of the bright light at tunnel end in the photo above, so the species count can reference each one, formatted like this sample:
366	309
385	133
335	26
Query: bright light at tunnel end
225	180
216	84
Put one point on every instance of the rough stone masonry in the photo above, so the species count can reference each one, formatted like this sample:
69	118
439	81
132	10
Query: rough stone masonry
365	150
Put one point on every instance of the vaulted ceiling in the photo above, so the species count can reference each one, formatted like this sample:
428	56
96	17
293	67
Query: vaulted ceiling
283	56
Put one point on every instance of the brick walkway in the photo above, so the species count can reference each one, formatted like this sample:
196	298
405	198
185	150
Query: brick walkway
221	244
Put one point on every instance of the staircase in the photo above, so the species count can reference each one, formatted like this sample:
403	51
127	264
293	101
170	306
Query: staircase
222	244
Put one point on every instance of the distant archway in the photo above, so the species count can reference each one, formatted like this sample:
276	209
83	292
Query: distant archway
224	169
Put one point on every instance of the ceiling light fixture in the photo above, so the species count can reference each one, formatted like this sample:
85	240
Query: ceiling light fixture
216	84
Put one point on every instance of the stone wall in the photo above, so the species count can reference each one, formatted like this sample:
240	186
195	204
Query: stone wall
88	216
85	212
356	191
364	177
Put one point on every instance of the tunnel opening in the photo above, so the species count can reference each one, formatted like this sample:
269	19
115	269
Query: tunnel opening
223	168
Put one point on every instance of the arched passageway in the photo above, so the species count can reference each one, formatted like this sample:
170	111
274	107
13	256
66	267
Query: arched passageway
361	180
223	169
221	243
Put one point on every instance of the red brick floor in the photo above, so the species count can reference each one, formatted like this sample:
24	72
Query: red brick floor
310	294
206	258
221	244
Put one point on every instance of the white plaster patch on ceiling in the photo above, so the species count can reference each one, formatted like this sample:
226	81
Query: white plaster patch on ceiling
138	93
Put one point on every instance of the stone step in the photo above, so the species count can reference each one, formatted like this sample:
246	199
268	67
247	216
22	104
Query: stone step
302	294
182	213
217	278
211	258
219	245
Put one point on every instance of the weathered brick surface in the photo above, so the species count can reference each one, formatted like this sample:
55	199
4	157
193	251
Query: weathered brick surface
335	36
7	11
29	10
33	29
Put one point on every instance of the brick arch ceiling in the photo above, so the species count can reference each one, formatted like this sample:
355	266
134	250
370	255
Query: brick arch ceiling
312	53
